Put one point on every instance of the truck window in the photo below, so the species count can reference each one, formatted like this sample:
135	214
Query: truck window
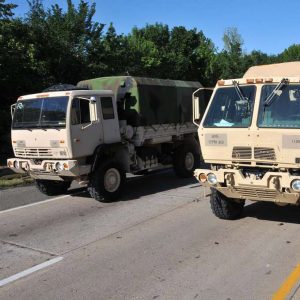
80	111
228	110
107	108
40	113
283	111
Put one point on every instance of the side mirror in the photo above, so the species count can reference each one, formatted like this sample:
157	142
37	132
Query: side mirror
196	117
196	107
201	98
93	110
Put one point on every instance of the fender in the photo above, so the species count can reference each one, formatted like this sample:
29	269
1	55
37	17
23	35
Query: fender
102	151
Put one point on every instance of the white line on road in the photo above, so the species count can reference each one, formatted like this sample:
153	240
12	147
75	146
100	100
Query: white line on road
30	271
38	203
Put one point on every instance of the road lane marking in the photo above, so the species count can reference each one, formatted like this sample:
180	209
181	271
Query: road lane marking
30	271
39	202
288	284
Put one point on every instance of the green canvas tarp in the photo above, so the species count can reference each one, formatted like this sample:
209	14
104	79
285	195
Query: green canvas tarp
156	101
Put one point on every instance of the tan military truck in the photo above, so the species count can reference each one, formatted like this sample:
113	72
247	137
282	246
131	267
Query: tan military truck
250	137
101	130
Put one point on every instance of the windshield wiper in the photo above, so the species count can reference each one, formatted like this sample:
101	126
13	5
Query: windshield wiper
51	125
275	92
21	127
243	104
238	91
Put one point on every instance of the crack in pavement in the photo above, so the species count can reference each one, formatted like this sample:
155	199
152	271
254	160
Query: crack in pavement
29	248
129	227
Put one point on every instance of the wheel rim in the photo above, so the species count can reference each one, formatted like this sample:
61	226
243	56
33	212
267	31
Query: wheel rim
189	161
112	180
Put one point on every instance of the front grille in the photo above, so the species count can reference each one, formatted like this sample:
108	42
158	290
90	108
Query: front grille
264	153
33	152
242	153
256	193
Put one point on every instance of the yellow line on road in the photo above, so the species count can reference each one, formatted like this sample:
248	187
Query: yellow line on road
288	284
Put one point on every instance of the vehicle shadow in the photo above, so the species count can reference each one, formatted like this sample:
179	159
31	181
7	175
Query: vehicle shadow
152	183
272	212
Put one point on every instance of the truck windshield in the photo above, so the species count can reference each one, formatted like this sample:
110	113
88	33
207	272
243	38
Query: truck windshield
40	113
229	109
284	111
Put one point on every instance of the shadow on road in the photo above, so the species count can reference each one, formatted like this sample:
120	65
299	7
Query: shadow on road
152	183
272	212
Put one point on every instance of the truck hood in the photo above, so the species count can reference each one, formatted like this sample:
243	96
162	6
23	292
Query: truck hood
261	147
40	143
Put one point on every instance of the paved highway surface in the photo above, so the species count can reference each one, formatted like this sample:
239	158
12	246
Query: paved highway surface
160	242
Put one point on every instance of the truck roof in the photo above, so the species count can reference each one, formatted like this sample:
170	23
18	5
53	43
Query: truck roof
288	69
114	82
66	93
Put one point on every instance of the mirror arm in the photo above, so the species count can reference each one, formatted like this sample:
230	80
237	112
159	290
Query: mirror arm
12	109
88	125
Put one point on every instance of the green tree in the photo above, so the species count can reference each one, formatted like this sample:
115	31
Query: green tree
230	60
144	55
12	52
256	58
204	61
292	53
179	53
233	41
192	55
115	51
6	10
63	39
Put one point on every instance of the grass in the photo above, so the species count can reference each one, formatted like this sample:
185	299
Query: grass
12	180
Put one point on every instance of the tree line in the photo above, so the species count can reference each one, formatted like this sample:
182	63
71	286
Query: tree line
52	45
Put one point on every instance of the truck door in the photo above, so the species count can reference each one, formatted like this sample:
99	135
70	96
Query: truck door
85	126
110	122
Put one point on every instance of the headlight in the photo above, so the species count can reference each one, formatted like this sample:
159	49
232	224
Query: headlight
296	185
59	166
16	164
212	178
26	166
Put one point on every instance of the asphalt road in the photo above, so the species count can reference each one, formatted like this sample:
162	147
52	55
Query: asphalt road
160	242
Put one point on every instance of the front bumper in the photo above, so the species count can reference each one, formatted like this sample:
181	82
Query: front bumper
273	186
47	169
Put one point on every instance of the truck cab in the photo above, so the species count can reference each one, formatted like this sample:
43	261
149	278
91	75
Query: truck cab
250	137
54	133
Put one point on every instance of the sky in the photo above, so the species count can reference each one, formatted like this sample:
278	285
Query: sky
266	25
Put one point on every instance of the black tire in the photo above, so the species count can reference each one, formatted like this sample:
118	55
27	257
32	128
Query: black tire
225	208
52	187
185	160
100	190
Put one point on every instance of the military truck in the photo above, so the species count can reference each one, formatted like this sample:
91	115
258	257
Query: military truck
250	137
102	129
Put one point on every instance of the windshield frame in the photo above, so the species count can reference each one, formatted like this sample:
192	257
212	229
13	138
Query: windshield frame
251	100
261	107
38	123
